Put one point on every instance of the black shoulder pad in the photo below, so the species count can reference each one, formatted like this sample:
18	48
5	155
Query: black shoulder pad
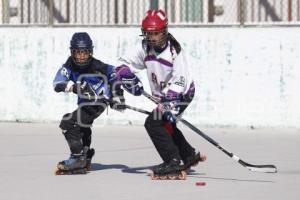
68	63
98	66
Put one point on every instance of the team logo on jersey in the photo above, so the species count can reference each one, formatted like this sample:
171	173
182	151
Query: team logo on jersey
96	86
180	82
64	72
153	78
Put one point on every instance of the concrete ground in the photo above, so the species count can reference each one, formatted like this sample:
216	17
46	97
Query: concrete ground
124	154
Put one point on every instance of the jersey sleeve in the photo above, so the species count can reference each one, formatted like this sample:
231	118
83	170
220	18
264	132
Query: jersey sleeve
133	59
181	78
62	82
110	73
115	88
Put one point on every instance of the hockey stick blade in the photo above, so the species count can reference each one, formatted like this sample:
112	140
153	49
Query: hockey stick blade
259	168
254	168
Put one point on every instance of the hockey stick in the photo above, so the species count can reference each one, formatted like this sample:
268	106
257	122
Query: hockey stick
251	167
138	109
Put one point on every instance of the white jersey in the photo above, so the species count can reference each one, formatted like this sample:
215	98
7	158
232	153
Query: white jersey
166	71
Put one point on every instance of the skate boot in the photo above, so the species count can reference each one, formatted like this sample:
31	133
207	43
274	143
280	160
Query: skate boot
76	164
193	160
172	170
89	155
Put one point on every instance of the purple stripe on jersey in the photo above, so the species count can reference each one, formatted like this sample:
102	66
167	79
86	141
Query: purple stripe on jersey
160	60
150	57
191	90
173	95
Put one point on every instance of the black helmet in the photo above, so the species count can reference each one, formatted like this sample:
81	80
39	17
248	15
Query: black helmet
81	43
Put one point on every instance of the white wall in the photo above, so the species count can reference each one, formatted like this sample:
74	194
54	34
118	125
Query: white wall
243	76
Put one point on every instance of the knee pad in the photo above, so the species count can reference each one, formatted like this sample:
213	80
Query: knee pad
67	123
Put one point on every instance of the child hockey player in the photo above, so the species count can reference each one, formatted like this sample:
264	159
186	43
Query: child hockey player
170	81
92	80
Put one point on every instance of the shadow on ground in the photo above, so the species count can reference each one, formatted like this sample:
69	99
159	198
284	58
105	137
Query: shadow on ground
123	168
147	169
134	170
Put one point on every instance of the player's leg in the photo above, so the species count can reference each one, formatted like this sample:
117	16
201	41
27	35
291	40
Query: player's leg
168	151
76	129
162	141
86	141
188	154
88	114
73	135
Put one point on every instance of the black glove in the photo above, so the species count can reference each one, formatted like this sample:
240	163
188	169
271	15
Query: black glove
117	105
85	91
118	100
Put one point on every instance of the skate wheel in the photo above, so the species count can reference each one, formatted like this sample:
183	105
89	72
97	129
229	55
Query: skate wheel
88	168
158	177
165	177
203	158
61	172
71	172
154	177
182	175
173	177
57	172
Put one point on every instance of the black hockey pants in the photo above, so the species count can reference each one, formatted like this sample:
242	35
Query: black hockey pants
167	138
76	126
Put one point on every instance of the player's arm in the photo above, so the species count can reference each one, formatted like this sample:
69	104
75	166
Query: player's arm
180	76
128	65
62	82
114	93
117	100
169	105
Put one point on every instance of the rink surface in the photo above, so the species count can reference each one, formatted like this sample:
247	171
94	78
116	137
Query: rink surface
124	154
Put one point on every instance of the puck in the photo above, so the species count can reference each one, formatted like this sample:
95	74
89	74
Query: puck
199	183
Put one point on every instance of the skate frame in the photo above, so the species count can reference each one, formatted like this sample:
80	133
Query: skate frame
251	167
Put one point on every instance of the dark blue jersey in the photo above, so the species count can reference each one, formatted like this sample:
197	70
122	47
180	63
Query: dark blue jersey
98	75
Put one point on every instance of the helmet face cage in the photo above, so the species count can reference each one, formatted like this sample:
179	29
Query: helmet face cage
156	39
81	47
81	57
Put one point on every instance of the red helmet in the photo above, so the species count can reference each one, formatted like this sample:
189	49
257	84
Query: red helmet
155	22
